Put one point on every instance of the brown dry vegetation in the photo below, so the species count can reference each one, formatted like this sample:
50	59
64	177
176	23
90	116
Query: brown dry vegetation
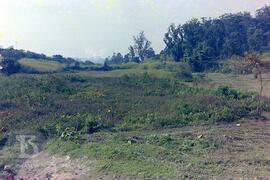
243	82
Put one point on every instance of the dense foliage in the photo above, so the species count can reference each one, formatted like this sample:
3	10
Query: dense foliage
52	103
203	42
9	66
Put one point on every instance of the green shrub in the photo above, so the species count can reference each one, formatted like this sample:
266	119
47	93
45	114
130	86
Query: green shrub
230	92
9	66
70	134
222	104
75	78
91	125
184	75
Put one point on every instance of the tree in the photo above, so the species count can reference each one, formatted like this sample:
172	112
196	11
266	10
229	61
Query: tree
204	40
236	33
262	22
214	35
193	34
255	39
201	57
150	53
115	59
255	64
58	58
9	66
141	47
131	53
126	58
174	40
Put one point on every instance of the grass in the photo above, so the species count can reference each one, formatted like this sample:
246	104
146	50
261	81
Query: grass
122	103
201	152
41	65
242	82
153	156
132	112
152	68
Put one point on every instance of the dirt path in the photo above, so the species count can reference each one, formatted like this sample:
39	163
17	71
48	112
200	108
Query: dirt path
45	166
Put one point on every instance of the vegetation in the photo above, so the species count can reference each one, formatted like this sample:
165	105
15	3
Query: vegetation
34	65
200	152
141	155
203	42
69	100
9	66
15	54
138	52
254	63
117	112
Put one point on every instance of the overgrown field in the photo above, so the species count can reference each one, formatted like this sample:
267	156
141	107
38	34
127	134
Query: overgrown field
51	103
104	117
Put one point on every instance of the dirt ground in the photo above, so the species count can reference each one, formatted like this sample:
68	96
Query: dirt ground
46	167
245	155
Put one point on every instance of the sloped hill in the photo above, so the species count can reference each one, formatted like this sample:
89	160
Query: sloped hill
41	65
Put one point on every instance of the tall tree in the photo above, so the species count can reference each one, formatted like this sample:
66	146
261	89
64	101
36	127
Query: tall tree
236	30
202	42
131	53
174	40
115	59
263	24
201	58
193	34
214	35
141	46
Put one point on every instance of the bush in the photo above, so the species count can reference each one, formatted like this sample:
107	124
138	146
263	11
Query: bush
223	104
9	66
231	93
91	125
184	75
69	134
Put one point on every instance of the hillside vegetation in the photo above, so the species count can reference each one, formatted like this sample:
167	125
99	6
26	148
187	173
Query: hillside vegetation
117	106
197	110
41	65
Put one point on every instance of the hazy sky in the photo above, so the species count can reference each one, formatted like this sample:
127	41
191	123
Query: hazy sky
85	28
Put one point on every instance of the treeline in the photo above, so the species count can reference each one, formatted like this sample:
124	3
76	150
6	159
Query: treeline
15	54
203	42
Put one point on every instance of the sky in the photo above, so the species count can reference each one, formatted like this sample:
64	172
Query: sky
97	28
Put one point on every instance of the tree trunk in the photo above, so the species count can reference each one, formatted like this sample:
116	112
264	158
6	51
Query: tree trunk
259	108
